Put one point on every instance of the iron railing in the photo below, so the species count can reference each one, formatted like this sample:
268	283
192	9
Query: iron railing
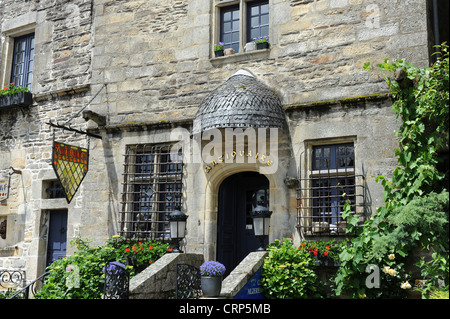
30	289
11	280
188	284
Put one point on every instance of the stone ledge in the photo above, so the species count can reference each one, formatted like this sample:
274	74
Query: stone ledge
159	280
57	93
237	279
347	100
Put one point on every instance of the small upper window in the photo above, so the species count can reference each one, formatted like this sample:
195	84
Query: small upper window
252	16
229	27
22	64
257	20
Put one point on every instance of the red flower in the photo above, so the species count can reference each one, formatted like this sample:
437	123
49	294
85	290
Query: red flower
299	248
303	244
315	252
327	247
127	250
325	253
151	247
150	261
170	249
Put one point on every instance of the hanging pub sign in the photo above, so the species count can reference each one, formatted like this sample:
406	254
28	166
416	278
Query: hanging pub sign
4	188
70	164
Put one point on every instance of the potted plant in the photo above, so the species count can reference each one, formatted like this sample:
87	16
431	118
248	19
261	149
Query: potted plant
13	95
262	42
211	281
218	49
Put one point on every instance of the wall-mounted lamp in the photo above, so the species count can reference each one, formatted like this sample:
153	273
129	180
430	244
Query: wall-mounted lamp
177	221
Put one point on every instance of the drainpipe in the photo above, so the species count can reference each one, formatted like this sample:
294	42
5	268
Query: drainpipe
437	39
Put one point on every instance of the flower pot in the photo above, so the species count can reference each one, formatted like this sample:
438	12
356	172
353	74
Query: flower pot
211	286
218	53
263	45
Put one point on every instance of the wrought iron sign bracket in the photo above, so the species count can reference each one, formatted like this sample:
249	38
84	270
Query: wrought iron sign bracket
68	128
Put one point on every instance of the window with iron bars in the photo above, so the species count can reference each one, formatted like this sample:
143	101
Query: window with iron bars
152	188
326	187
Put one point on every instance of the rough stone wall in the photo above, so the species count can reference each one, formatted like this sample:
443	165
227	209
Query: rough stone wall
156	59
61	79
160	66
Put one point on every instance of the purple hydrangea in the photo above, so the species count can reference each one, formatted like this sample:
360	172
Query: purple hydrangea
212	269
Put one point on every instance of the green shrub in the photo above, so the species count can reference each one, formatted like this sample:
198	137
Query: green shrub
81	276
290	272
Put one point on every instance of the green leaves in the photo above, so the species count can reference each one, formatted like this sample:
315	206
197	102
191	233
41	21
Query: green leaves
289	272
87	263
415	213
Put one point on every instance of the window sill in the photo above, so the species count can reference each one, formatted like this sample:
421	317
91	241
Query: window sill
239	57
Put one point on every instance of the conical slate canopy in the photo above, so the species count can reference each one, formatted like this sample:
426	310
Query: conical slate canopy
242	101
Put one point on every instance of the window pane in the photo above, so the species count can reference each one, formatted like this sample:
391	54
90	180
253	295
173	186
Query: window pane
265	8
227	27
227	38
264	31
227	16
236	25
254	11
235	37
254	22
265	19
254	33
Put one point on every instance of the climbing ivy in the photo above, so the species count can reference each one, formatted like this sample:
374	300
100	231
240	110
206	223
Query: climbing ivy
421	99
416	201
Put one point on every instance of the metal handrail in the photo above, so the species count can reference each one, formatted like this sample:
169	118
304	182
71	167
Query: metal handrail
31	285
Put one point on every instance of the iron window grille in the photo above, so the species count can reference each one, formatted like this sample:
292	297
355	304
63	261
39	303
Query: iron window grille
324	190
23	59
152	188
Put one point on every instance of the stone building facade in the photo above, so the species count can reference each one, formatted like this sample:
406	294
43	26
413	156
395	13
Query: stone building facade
143	75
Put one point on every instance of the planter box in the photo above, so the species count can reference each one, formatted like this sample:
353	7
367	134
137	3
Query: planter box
18	99
218	53
261	46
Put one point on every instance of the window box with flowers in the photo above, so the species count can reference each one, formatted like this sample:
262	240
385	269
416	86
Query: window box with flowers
218	49
262	42
12	96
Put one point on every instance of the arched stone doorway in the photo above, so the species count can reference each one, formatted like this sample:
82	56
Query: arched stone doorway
236	199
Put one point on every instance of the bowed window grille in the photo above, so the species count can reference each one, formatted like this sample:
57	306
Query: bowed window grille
152	188
329	182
